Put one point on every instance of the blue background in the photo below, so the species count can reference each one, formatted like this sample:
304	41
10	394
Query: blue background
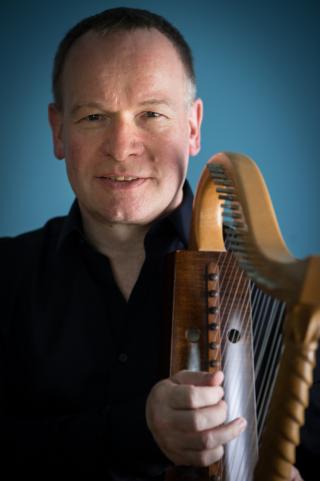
258	69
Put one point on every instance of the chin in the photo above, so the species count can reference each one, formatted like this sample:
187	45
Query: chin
128	218
136	213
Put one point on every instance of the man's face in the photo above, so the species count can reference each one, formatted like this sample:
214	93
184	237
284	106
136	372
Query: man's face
127	126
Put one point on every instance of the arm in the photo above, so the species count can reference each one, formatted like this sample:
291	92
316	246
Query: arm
86	442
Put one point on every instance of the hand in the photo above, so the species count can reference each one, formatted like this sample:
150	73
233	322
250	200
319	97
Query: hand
185	415
295	475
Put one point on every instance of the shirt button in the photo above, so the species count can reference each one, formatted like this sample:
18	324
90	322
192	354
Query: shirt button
123	357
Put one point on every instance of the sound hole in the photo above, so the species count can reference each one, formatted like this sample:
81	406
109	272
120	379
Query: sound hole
234	335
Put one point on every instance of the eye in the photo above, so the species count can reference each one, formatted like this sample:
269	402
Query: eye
94	117
152	115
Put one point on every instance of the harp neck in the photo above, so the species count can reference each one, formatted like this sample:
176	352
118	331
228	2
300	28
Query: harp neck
206	226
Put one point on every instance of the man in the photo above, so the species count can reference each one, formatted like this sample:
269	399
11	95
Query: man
82	298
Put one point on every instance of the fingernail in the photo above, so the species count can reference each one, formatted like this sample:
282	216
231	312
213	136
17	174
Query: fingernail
242	423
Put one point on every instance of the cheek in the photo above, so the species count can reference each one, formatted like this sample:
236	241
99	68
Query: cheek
76	153
175	155
82	148
76	166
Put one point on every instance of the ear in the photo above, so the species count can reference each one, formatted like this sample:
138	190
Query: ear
195	119
56	123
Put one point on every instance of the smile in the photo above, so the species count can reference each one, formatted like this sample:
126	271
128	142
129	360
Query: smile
120	178
121	181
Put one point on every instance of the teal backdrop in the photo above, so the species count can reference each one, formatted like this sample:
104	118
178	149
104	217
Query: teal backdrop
258	69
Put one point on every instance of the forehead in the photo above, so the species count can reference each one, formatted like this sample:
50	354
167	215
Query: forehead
142	55
124	44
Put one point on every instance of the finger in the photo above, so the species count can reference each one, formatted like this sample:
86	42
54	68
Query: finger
197	420
200	458
212	438
223	434
194	397
198	378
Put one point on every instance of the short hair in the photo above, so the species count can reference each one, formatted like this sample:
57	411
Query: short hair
115	20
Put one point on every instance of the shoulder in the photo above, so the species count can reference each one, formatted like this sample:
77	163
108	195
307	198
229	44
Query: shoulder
51	229
25	248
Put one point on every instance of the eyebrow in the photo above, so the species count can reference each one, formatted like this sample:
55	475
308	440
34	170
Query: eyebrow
97	105
155	101
77	107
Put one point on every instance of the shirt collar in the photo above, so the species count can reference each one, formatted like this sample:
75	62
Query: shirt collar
180	220
72	225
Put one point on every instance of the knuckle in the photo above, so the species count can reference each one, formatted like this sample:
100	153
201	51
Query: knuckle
218	394
193	423
206	457
211	456
203	459
199	421
223	405
207	440
192	395
223	410
204	441
218	453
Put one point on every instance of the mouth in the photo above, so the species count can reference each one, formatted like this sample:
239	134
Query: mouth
121	181
120	178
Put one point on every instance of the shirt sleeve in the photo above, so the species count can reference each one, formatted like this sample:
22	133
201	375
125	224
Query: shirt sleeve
114	439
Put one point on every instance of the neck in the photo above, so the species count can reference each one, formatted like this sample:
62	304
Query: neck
123	244
113	239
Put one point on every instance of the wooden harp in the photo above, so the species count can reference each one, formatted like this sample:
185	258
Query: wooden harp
210	316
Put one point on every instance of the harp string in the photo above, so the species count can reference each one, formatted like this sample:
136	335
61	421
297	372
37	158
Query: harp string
231	283
267	314
261	331
227	282
232	299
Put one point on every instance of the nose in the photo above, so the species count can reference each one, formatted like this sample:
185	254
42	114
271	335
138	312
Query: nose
123	140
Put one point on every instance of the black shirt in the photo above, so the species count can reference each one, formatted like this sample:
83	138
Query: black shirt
77	360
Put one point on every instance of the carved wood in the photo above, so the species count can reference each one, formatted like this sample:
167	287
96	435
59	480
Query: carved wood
240	201
211	295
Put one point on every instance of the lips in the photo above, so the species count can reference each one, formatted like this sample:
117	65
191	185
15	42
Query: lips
120	178
121	181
